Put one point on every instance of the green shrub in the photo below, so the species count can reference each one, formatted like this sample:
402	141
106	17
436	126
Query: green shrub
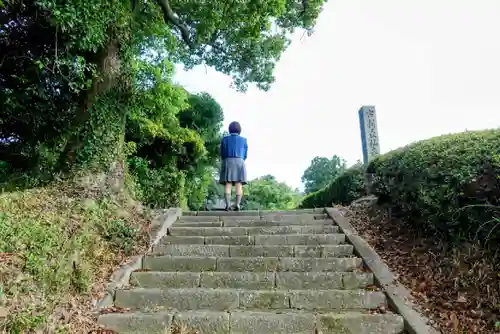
4	169
196	189
344	189
448	185
157	187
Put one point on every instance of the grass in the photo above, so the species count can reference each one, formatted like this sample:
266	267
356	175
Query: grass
57	248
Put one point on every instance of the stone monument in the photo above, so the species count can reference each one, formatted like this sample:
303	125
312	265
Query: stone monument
369	133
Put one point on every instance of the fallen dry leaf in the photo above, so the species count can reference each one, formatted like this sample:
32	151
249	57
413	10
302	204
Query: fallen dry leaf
458	289
3	312
115	309
372	288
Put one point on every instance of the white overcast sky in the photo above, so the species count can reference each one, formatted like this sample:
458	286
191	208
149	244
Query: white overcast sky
429	67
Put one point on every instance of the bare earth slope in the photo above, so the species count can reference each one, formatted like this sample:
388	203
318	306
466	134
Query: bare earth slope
458	289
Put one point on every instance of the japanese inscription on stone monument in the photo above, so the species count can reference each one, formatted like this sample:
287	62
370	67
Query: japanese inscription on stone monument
369	133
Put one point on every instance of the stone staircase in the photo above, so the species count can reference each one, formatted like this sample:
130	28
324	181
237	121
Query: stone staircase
253	272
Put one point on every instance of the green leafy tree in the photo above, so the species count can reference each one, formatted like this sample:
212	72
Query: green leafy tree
204	116
266	193
173	135
321	172
68	70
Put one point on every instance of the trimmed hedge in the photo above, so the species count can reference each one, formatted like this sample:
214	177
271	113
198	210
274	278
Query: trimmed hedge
344	189
448	185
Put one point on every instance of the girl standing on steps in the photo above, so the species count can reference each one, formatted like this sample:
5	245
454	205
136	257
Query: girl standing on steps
233	153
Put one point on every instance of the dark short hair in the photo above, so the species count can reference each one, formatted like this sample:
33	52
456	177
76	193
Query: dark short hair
235	127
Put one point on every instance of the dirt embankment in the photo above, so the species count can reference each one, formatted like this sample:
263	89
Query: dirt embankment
58	247
457	288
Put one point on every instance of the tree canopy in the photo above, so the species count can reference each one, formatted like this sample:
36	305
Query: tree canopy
243	39
88	85
92	122
267	193
321	172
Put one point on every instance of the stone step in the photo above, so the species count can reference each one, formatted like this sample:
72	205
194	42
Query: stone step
218	231
270	217
253	212
201	219
254	251
156	299
286	222
292	212
253	280
268	240
278	217
256	223
179	223
228	213
253	272
241	264
248	322
273	218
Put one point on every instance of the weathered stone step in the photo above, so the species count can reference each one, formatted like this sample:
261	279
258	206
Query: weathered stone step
153	299
254	251
269	223
253	280
270	217
240	264
217	231
229	213
224	213
277	239
279	217
292	212
247	322
252	212
255	223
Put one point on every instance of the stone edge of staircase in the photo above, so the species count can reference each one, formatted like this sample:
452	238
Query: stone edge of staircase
397	294
121	276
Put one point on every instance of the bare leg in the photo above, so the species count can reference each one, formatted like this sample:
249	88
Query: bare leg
227	195
239	194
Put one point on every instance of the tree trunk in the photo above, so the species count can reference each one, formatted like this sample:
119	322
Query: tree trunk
108	67
94	146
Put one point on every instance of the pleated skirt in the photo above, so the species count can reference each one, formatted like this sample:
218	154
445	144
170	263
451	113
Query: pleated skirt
233	170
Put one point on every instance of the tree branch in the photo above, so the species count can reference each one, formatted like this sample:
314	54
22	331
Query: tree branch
170	17
305	4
